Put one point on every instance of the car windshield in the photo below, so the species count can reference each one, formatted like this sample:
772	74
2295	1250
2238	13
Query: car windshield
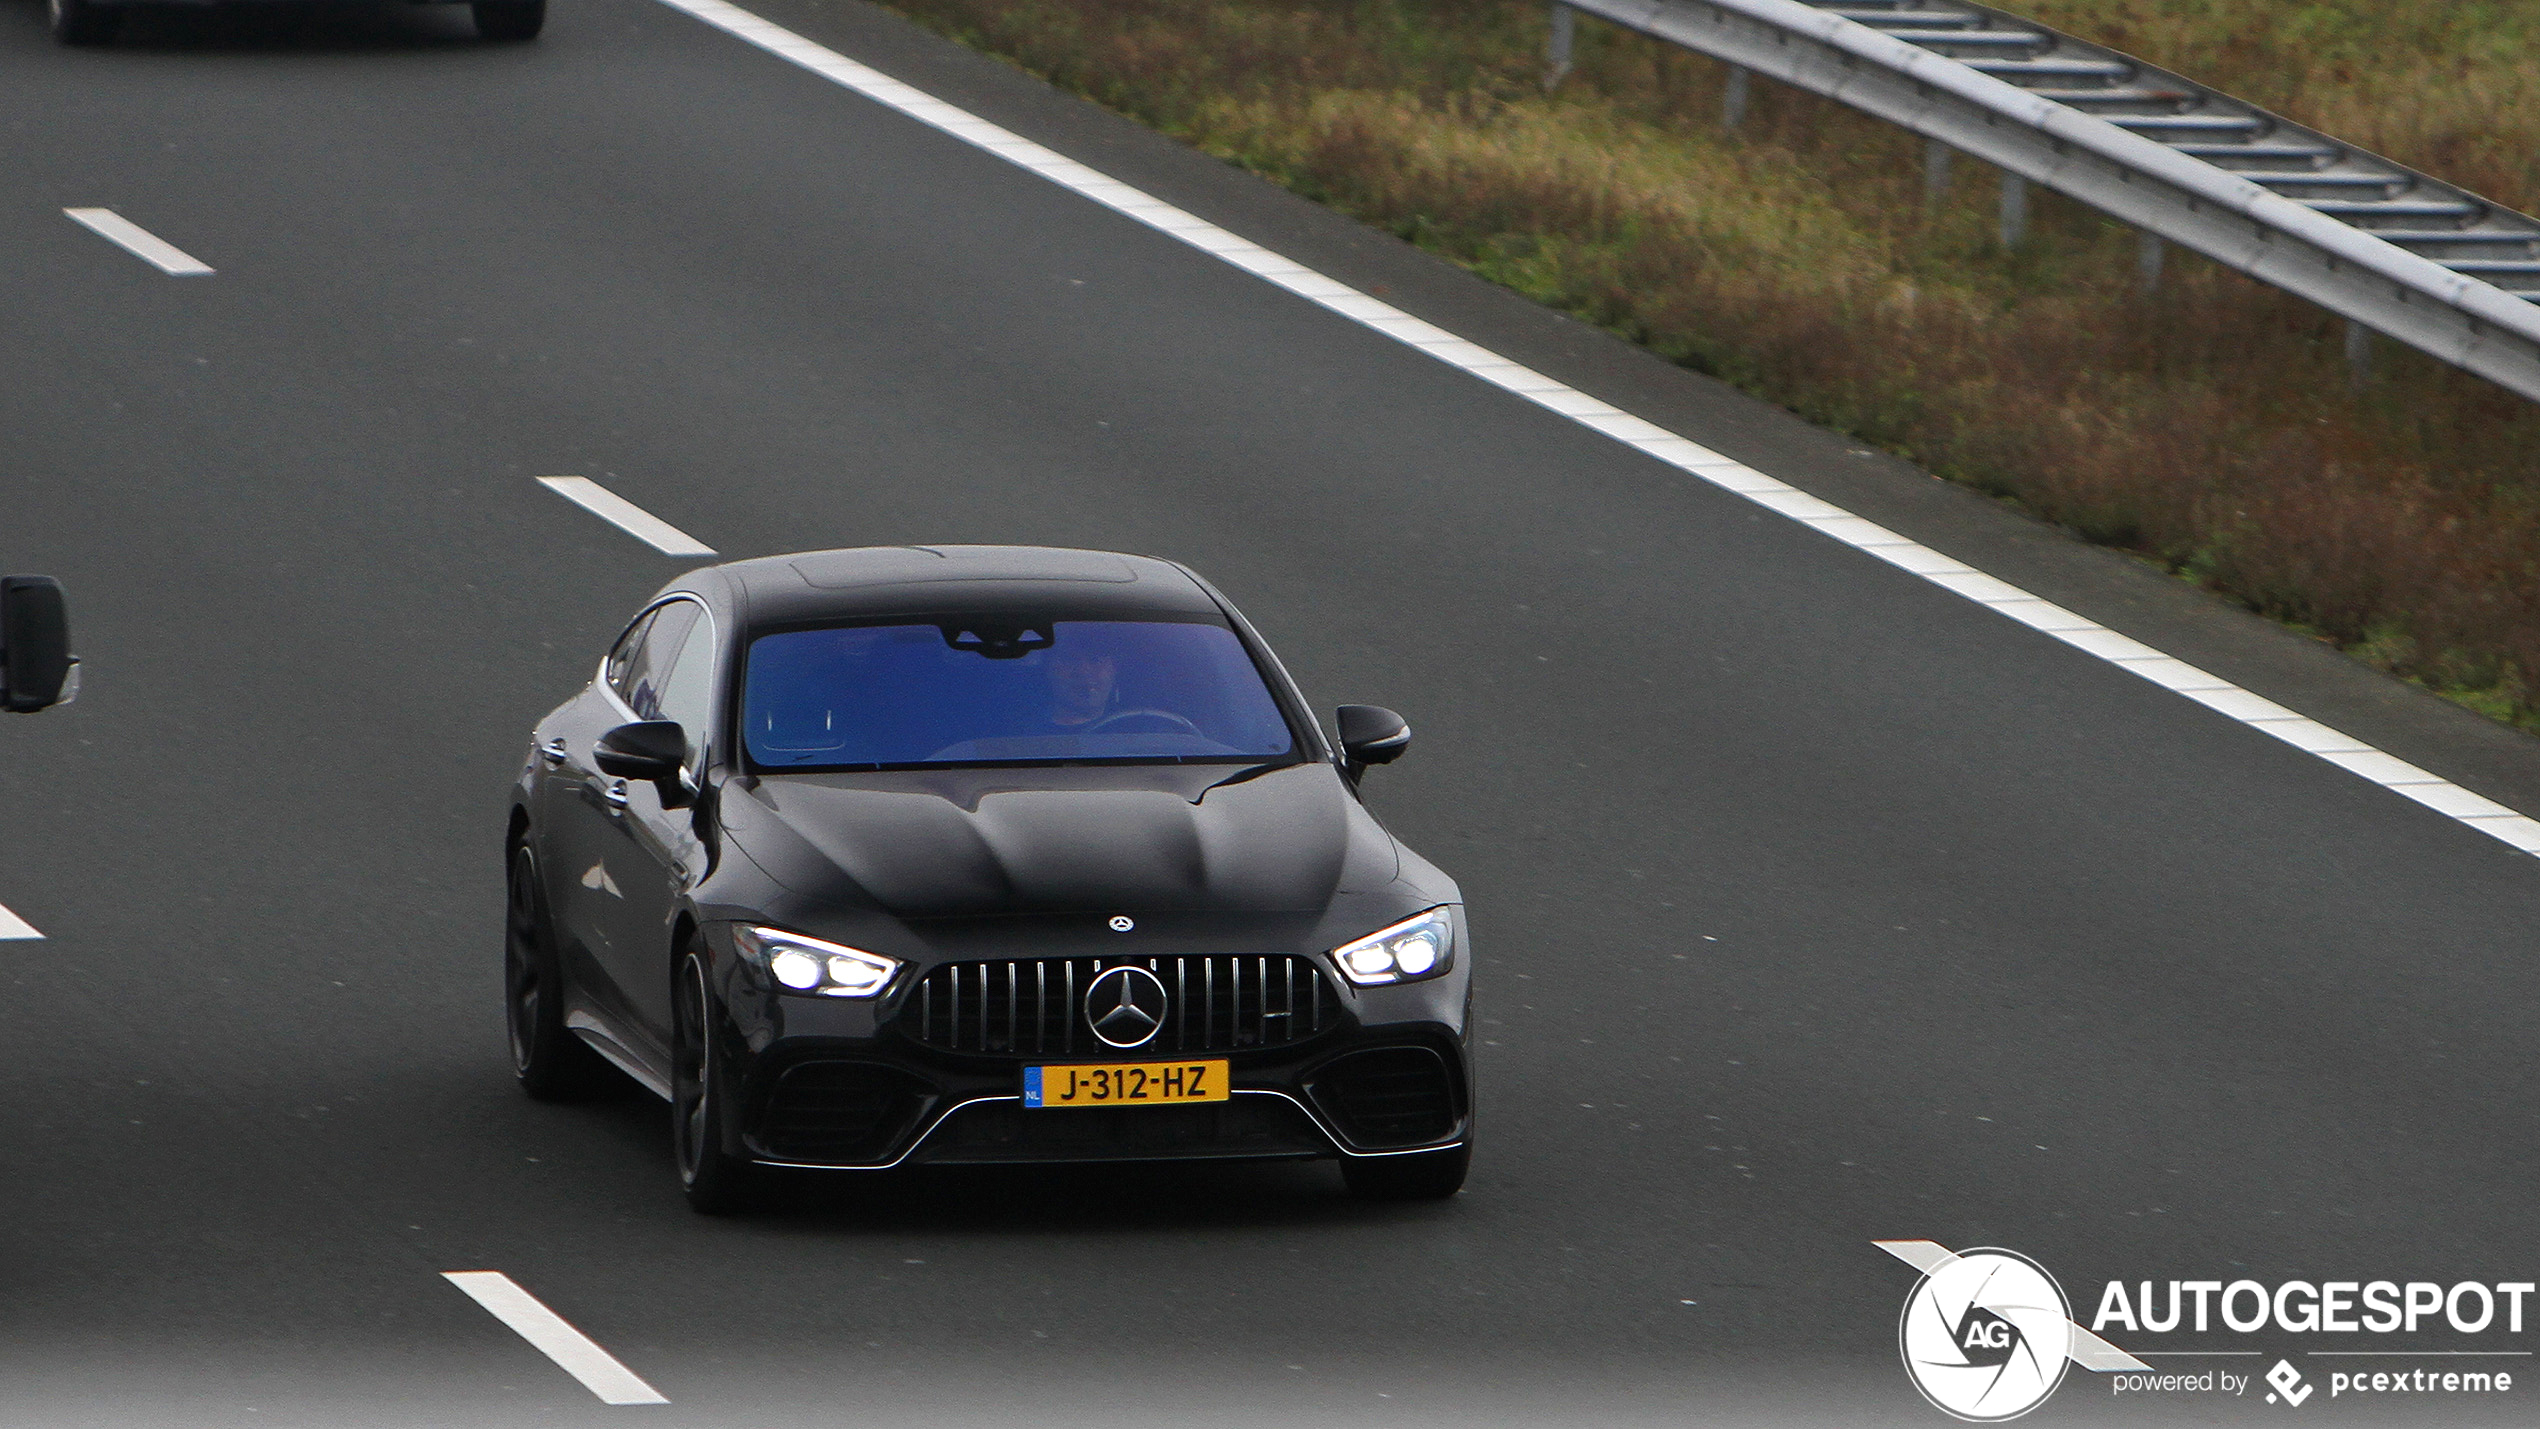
987	691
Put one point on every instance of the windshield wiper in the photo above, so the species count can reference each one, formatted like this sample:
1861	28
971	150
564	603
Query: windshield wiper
1251	772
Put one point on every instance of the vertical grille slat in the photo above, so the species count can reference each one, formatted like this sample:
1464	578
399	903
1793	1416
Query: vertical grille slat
1034	1006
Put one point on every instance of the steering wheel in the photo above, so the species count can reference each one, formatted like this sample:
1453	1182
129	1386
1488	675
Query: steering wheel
1175	723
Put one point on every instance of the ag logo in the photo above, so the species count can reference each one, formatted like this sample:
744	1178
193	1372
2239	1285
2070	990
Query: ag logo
1984	1335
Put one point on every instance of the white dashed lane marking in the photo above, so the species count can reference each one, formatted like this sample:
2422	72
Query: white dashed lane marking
140	242
626	516
543	1328
13	926
2080	632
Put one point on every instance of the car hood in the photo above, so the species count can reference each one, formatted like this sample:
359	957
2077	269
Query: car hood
1137	839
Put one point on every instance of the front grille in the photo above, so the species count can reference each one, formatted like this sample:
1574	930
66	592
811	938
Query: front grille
1035	1007
1395	1096
837	1112
986	1133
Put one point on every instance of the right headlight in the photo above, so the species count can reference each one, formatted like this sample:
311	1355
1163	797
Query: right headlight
1416	947
801	964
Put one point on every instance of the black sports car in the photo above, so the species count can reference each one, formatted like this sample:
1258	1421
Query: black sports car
979	854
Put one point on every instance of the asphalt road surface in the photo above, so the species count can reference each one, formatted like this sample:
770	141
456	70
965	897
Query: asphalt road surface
1814	904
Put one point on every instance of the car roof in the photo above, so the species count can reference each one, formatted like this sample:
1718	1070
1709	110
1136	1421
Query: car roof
869	581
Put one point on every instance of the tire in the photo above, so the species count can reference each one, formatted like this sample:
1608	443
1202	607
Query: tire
506	20
553	1065
718	1183
83	22
1423	1176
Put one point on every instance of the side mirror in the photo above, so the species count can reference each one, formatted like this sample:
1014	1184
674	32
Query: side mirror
1372	734
650	750
37	669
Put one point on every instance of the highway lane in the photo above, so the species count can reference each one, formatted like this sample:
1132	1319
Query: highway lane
1815	905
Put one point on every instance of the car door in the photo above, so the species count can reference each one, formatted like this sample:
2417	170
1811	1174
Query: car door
586	809
569	810
651	853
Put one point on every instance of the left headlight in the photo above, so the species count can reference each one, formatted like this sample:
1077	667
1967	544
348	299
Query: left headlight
1418	947
800	964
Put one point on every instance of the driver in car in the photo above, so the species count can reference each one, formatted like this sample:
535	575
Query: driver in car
1083	685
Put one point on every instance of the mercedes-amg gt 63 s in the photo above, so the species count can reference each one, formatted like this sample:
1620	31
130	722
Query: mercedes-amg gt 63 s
980	855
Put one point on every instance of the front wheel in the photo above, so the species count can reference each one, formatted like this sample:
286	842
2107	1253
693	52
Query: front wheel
553	1065
1420	1176
717	1182
82	22
507	19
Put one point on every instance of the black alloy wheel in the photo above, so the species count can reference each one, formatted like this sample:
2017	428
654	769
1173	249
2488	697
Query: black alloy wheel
552	1063
82	22
1419	1176
717	1182
509	19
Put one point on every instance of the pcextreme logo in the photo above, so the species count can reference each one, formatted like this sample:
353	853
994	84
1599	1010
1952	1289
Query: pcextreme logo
1987	1334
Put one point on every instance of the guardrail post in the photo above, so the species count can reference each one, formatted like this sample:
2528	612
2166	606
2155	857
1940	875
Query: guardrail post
2014	209
1733	98
2148	249
2358	353
1565	33
1935	173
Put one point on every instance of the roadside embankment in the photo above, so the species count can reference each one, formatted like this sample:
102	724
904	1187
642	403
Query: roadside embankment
2207	424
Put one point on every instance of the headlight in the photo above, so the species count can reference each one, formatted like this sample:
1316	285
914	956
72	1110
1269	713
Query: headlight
1409	950
802	964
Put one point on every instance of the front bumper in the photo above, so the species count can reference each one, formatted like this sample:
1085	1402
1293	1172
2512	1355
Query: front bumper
843	1084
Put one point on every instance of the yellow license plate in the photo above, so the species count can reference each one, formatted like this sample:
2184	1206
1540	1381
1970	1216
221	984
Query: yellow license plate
1124	1084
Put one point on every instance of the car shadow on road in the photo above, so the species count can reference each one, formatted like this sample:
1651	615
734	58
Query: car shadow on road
284	27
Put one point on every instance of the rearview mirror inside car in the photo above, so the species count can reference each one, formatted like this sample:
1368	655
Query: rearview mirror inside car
650	750
37	669
1372	734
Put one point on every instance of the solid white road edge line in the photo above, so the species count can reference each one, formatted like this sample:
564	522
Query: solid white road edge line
598	1370
13	926
140	242
626	516
2350	754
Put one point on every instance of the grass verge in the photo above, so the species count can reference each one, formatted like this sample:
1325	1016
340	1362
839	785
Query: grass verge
2207	425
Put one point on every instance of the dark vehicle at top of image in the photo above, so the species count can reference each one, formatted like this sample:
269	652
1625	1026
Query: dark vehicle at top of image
980	855
97	22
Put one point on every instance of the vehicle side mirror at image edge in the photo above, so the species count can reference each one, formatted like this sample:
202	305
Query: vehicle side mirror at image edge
1372	734
37	669
650	750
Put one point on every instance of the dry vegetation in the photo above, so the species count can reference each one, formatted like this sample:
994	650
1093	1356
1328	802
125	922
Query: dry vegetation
2208	426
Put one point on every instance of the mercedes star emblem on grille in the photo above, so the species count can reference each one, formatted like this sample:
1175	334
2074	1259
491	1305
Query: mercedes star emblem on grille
1125	1006
1122	922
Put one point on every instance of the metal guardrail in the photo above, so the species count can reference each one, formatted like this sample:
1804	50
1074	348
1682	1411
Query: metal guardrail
2389	249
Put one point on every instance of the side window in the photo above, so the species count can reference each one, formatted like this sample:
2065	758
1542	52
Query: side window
622	654
688	696
650	669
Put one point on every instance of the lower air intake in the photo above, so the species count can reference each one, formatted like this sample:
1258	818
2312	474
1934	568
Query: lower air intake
837	1113
1396	1096
1246	1128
